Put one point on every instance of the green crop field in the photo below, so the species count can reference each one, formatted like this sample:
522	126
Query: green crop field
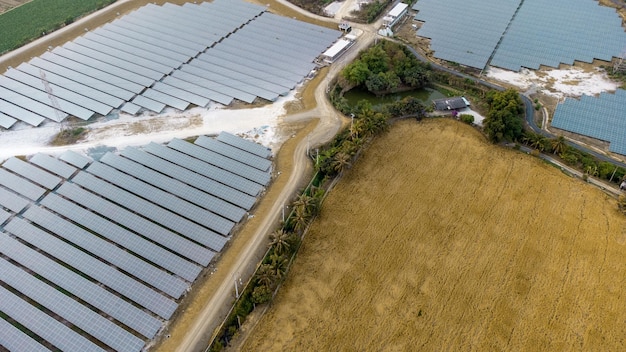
38	17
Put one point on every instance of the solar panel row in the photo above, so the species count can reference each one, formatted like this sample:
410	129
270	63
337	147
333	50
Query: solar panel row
521	34
69	309
227	150
86	263
228	164
52	165
245	145
113	246
191	178
14	339
597	117
162	198
122	259
174	187
20	185
151	211
581	31
43	325
140	225
77	285
32	173
205	169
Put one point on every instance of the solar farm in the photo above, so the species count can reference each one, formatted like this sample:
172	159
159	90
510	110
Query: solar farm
168	56
513	34
109	247
599	117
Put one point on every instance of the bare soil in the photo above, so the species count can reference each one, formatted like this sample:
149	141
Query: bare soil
6	5
454	244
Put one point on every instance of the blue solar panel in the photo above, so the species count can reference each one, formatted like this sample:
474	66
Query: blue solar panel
32	173
67	308
146	249
87	264
560	31
175	187
162	198
53	165
76	284
597	117
140	225
151	211
12	201
43	325
191	178
20	185
14	339
468	39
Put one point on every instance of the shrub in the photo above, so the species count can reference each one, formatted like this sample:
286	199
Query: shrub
467	118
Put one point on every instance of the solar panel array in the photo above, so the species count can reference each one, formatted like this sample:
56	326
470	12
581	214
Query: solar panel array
468	39
520	34
599	117
581	31
94	255
165	56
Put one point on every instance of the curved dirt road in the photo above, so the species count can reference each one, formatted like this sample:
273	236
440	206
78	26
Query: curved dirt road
330	122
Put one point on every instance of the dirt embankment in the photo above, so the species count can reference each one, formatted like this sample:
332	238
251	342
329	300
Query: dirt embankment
437	240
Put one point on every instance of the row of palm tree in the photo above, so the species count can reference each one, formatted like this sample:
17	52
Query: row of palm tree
284	242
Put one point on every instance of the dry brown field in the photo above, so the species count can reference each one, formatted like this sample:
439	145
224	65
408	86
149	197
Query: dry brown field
437	240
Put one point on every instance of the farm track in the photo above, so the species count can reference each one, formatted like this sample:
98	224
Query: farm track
460	245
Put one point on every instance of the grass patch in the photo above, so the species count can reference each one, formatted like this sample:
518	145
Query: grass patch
69	136
34	19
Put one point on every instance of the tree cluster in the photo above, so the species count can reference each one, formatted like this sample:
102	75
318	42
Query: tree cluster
386	68
571	156
505	119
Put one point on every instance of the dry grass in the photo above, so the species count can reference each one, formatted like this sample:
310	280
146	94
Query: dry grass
454	244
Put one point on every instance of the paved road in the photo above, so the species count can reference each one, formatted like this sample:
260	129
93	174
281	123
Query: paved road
330	122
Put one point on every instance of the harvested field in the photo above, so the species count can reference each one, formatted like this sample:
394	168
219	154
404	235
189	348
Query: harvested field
437	240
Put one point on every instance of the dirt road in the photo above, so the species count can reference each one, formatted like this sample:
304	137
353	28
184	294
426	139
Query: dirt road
330	122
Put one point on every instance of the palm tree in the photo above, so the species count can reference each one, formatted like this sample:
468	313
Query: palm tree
341	161
591	170
536	141
279	241
278	265
265	275
559	145
301	218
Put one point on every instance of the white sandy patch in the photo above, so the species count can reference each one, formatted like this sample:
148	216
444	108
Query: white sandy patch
258	124
560	83
478	118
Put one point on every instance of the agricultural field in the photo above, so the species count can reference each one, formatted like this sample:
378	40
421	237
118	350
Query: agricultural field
37	17
438	240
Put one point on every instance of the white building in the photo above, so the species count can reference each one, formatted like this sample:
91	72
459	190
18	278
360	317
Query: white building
395	14
337	49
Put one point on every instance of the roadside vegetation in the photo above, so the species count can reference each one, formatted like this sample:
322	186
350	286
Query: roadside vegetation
37	18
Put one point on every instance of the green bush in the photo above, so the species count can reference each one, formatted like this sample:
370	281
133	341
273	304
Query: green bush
467	118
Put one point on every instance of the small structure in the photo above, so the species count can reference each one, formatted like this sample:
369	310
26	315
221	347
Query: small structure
454	103
395	15
338	49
